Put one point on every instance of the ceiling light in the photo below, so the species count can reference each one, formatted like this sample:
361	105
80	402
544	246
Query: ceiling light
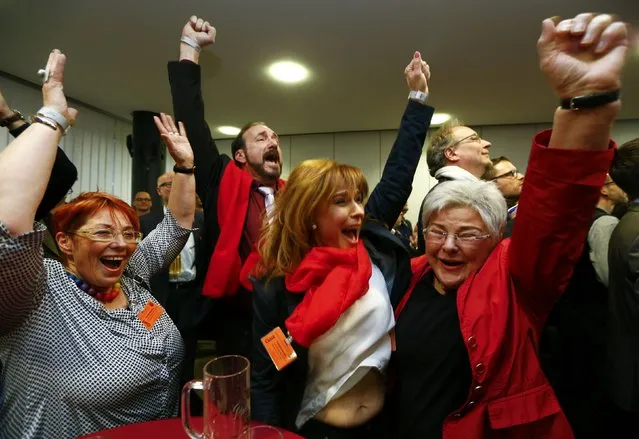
440	118
229	130
288	72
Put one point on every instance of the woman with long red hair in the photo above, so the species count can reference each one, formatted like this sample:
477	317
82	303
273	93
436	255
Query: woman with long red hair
83	343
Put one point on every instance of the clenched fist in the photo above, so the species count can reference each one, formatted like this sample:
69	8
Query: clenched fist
583	55
417	74
199	30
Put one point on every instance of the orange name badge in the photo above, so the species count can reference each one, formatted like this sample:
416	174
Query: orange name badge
279	348
150	314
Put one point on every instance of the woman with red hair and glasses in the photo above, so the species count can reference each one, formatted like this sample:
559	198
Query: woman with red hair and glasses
83	343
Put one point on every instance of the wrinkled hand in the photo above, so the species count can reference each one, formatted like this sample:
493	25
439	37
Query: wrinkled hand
417	74
583	55
53	90
176	141
200	31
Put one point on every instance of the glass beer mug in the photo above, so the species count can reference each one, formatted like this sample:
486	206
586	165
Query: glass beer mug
227	400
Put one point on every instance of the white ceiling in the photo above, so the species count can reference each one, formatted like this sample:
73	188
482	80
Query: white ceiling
482	56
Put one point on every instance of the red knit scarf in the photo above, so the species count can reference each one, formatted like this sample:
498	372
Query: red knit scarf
223	275
331	280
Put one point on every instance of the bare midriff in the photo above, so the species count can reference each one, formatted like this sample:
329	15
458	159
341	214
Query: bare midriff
358	405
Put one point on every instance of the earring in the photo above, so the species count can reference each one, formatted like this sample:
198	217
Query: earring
314	226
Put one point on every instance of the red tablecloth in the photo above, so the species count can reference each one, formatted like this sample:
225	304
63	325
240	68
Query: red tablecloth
162	429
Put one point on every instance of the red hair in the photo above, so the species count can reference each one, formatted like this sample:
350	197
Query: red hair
71	216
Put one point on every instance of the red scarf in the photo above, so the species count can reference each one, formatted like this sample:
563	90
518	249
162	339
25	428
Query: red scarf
223	275
331	279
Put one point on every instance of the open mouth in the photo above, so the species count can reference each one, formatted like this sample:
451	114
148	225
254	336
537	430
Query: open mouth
272	156
112	263
451	265
351	234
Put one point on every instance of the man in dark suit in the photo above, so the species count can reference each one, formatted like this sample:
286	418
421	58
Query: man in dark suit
623	299
178	283
236	192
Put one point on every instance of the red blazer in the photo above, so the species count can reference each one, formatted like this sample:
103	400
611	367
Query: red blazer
504	305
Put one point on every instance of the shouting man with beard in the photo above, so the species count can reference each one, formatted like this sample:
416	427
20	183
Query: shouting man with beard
236	193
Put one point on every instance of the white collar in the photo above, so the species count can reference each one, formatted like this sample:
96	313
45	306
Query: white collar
454	173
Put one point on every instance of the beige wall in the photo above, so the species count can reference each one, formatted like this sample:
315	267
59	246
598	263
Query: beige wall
369	150
97	145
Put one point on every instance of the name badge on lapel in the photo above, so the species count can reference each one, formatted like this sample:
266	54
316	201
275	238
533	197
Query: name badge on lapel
279	348
150	314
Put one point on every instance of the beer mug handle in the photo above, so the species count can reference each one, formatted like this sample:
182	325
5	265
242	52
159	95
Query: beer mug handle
186	408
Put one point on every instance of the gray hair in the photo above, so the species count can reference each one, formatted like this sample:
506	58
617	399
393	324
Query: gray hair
481	196
437	144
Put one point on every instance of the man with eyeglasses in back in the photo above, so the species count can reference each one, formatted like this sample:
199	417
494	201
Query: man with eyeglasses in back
509	181
455	152
142	203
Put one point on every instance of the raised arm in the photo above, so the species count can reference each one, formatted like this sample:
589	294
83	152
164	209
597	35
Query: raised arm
63	174
390	195
23	179
164	243
188	106
25	166
583	56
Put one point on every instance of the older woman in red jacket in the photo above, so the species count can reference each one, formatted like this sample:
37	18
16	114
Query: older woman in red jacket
468	327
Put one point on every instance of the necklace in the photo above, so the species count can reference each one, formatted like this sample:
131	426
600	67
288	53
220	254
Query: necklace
108	296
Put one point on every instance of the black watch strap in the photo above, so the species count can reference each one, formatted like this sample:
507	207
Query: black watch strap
11	119
184	169
590	101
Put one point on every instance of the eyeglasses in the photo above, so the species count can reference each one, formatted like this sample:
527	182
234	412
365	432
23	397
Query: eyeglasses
166	184
108	235
437	236
473	138
514	173
143	199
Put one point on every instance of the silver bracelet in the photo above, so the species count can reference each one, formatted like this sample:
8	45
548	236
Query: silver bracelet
190	42
46	121
54	115
418	96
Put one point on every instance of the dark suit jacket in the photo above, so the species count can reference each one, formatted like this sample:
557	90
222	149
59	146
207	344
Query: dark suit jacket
276	396
623	312
160	282
188	108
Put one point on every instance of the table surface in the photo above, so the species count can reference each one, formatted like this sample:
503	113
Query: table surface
164	428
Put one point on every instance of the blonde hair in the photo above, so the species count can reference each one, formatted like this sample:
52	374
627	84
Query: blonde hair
287	238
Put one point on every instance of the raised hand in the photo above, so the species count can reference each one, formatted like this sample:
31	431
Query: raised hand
417	74
176	141
200	31
583	55
53	89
